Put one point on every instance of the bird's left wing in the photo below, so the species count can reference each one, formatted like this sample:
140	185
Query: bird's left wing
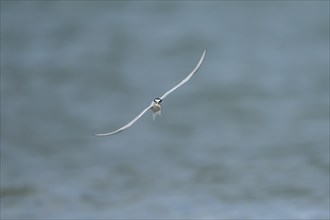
187	78
127	125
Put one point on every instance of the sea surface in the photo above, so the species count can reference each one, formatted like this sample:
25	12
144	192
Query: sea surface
246	138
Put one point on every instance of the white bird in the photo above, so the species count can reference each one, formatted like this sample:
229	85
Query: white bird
155	106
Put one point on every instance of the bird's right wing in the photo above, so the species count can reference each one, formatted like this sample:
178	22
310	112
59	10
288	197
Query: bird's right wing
127	125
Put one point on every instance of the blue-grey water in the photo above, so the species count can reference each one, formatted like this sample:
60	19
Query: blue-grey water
246	138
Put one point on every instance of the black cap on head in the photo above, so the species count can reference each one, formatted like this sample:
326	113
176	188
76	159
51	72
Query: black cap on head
158	100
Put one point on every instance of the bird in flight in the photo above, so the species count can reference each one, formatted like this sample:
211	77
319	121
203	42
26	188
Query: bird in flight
155	106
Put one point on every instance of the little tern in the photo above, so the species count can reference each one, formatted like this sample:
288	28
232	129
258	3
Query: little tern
155	106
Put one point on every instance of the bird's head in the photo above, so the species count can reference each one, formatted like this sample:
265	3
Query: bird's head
158	100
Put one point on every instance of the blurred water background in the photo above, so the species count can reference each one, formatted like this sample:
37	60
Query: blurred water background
246	138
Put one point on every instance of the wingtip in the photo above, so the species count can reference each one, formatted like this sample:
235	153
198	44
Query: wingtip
107	134
98	135
101	135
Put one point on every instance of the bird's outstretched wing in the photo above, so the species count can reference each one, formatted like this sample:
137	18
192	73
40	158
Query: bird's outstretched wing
187	78
127	125
162	97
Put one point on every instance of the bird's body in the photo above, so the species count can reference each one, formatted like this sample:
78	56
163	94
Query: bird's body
155	106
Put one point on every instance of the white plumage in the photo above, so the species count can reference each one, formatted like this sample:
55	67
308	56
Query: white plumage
155	106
